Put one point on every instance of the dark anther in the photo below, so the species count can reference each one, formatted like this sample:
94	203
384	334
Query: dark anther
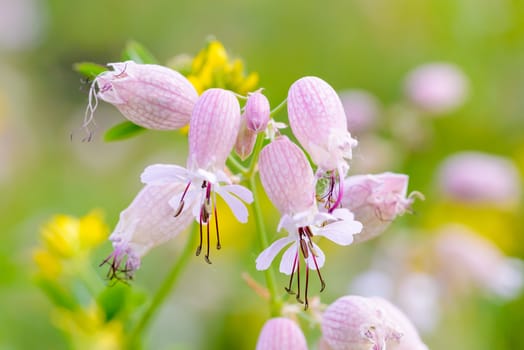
179	209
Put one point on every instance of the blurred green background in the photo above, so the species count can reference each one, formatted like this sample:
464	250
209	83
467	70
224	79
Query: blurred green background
365	44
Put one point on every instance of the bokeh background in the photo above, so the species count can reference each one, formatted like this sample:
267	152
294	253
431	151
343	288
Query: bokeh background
358	44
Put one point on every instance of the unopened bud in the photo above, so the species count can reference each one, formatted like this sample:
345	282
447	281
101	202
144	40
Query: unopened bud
281	333
257	112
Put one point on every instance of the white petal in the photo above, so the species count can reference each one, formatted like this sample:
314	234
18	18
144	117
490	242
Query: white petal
320	258
240	191
268	255
340	232
236	205
286	264
163	173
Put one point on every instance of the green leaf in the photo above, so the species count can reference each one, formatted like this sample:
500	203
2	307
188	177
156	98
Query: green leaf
89	69
120	299
122	131
138	53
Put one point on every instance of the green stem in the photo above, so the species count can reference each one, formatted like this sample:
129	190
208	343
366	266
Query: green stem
250	172
278	108
235	166
275	302
166	288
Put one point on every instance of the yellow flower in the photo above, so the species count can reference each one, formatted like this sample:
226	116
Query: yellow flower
67	238
88	329
212	68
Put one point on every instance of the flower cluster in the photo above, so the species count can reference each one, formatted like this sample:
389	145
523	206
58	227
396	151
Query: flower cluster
314	202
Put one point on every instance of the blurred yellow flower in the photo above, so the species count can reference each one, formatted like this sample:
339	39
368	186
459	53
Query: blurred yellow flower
87	328
212	68
68	238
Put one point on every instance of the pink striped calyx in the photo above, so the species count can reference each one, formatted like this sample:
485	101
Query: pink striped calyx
281	333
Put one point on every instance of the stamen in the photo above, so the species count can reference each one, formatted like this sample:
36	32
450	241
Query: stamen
181	205
216	226
298	282
306	304
288	289
322	282
207	250
199	248
340	191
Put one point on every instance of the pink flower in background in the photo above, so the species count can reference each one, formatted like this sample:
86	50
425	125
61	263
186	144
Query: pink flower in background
213	130
317	119
145	224
281	333
362	110
257	112
480	178
290	185
376	200
149	95
466	260
437	87
357	323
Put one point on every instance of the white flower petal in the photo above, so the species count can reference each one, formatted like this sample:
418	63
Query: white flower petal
286	264
236	205
163	174
239	191
268	255
340	232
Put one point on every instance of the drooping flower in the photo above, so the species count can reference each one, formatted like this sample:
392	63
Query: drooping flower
246	140
289	183
281	333
376	200
149	95
437	87
317	118
358	323
477	177
148	222
213	130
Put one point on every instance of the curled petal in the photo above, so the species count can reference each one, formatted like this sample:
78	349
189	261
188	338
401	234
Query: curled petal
268	255
240	191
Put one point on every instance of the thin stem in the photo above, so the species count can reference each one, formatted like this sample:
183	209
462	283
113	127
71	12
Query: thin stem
254	158
235	166
165	289
275	303
278	108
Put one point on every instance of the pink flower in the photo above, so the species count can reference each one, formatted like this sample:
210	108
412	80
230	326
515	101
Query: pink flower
357	323
466	260
376	200
478	177
149	95
317	118
281	333
213	130
257	112
289	183
146	223
437	87
246	140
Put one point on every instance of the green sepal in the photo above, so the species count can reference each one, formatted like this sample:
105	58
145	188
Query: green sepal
122	131
89	70
136	52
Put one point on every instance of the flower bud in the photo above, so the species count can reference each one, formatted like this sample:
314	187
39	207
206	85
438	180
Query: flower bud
287	176
437	87
246	140
357	323
257	112
317	118
281	333
149	95
376	200
477	177
213	129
